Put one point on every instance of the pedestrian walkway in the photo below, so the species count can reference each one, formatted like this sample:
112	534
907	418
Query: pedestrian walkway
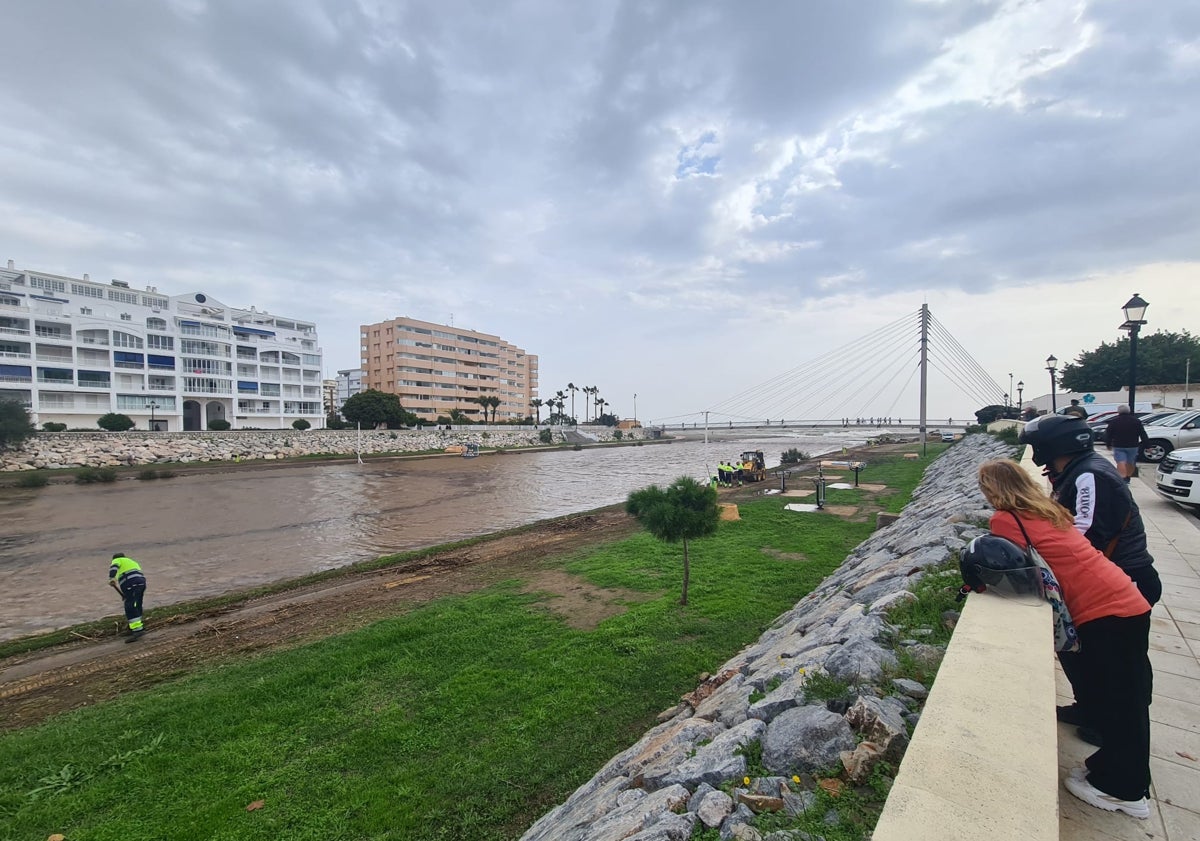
1174	537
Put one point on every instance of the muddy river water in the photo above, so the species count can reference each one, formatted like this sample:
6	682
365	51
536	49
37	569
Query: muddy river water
205	534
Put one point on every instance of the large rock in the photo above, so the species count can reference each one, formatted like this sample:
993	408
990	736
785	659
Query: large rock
805	739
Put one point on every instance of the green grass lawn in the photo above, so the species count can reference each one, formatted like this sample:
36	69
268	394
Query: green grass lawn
464	719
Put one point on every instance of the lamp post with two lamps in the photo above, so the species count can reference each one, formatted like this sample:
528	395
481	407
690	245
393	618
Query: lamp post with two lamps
1020	395
1135	317
152	406
1052	366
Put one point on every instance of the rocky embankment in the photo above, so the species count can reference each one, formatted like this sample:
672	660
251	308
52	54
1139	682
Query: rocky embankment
689	772
110	449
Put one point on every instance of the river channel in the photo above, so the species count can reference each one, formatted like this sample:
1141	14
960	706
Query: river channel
209	533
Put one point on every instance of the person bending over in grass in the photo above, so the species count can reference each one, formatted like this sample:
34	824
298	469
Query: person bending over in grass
1112	619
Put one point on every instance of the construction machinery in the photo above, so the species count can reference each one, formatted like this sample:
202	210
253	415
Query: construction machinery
753	466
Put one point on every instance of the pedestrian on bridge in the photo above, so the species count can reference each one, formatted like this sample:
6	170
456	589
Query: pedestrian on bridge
126	577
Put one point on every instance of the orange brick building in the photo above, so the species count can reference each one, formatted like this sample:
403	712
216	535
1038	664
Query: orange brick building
435	368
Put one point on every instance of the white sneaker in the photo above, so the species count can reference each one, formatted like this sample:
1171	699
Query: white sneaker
1079	772
1088	793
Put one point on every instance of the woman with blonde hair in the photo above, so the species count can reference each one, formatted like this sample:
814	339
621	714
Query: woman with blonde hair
1112	619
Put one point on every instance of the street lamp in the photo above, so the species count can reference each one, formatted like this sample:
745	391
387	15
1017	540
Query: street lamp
1135	312
1020	393
1051	366
635	405
152	406
1008	397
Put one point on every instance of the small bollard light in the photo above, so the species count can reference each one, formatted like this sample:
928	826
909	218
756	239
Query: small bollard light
858	467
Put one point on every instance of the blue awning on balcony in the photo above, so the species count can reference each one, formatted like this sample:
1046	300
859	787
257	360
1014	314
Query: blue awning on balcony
186	323
16	371
125	356
247	386
254	330
163	361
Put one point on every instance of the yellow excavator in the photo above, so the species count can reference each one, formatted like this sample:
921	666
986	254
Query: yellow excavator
753	466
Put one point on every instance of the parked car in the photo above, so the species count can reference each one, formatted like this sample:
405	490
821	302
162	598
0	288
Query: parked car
1099	424
1178	477
947	437
1182	429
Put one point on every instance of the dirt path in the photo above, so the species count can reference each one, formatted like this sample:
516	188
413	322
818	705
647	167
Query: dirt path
36	686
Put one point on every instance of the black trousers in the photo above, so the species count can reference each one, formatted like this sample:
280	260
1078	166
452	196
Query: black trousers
1113	683
1150	586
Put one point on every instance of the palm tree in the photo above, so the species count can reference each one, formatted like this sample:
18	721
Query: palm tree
536	404
482	401
494	402
559	401
571	387
588	391
600	404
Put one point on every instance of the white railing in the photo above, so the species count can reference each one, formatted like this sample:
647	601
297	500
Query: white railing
8	354
14	331
94	384
6	378
55	381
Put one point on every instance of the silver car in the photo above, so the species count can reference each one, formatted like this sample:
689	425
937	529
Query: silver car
1180	430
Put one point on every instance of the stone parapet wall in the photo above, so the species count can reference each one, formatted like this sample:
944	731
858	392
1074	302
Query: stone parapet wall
110	449
690	772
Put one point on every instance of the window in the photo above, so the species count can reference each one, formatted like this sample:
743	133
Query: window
153	323
94	379
161	362
46	283
87	291
154	301
126	317
85	310
120	339
10	300
160	342
122	297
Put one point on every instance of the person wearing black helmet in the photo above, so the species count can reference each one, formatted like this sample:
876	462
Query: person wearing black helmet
1087	485
1104	511
1113	677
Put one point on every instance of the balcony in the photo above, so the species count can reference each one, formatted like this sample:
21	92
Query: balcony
14	331
15	378
7	354
55	380
106	384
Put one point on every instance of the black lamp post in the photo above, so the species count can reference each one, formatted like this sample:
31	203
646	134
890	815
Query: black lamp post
1052	366
1135	312
152	406
1008	397
1020	395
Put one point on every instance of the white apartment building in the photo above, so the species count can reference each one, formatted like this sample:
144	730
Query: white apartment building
72	349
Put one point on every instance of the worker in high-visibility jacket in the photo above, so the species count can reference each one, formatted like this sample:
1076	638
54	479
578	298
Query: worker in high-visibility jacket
126	577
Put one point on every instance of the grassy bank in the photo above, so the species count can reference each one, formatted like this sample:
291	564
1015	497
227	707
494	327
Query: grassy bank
464	719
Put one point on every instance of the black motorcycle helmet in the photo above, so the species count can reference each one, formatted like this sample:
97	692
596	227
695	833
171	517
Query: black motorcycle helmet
996	563
1052	436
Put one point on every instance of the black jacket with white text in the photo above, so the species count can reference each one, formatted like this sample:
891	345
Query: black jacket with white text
1092	490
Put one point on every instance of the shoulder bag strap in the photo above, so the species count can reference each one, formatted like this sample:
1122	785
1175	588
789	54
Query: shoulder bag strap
1021	526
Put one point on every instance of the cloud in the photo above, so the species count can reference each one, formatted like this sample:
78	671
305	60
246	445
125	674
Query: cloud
653	197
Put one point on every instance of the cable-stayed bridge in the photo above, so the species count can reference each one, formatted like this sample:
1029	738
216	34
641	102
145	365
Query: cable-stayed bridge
865	382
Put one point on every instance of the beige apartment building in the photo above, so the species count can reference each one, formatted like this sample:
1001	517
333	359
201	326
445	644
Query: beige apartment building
435	368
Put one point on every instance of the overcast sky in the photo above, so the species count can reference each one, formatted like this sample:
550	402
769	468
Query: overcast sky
673	199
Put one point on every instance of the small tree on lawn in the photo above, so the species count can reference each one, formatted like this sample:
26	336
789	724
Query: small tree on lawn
686	510
15	425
